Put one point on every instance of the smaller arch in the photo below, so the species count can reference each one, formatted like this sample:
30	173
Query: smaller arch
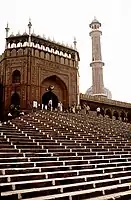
129	116
66	61
108	112
57	58
20	52
116	115
102	112
16	76
62	60
37	53
13	52
52	57
47	56
123	115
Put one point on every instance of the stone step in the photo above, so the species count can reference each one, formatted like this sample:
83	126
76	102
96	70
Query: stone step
89	174
118	196
9	155
105	168
79	192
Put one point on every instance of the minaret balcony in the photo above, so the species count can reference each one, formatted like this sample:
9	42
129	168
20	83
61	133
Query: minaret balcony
95	32
93	63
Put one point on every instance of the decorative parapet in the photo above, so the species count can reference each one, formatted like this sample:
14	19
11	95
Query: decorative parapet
103	100
42	41
45	55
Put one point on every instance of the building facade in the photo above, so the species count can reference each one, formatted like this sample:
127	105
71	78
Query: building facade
30	64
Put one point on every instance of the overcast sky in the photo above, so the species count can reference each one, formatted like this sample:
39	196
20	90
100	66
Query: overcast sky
64	19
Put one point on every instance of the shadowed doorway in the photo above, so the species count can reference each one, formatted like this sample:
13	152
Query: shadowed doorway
49	95
15	99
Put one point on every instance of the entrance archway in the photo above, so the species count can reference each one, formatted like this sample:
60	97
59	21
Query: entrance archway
129	116
123	115
116	115
108	112
15	99
60	89
49	95
102	112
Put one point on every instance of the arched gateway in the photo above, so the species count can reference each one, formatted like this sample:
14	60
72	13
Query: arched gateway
59	92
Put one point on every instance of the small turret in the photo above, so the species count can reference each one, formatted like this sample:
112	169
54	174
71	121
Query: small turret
7	30
7	35
29	26
75	43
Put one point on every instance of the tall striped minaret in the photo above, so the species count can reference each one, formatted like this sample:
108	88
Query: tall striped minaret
96	64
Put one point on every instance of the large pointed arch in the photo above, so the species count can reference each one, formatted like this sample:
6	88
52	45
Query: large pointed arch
108	112
116	114
60	88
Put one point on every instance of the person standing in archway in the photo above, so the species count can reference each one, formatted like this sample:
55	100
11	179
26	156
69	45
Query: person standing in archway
87	109
35	105
50	104
98	110
61	107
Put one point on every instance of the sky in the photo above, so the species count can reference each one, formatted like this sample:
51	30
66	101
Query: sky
64	19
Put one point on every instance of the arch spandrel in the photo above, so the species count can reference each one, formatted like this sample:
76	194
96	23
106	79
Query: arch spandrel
62	78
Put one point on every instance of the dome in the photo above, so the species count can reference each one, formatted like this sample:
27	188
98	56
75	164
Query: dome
95	20
25	33
12	35
18	34
38	36
106	92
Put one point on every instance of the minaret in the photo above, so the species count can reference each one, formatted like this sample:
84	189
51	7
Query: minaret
29	26
96	64
7	34
78	76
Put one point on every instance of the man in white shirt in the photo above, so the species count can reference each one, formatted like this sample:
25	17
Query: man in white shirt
35	105
98	111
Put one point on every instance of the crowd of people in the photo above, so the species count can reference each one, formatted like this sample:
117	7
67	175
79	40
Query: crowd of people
85	108
15	110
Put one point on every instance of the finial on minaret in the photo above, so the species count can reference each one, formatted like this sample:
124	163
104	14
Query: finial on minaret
75	42
29	26
7	35
95	18
7	30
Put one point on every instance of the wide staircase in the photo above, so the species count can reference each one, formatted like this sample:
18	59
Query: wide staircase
51	155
